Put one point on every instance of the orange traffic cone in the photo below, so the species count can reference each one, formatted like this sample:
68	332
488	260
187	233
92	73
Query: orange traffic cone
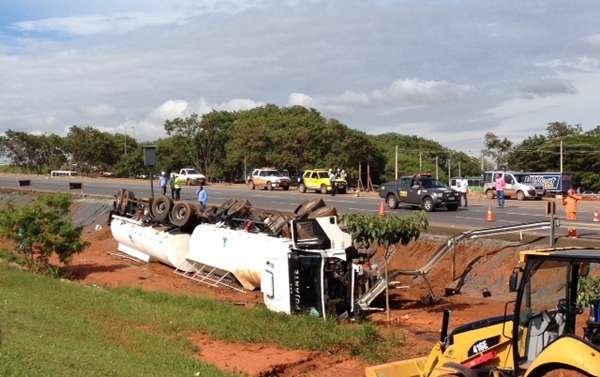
381	209
490	215
596	217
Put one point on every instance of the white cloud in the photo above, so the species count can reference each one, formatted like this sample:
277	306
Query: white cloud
301	99
426	92
547	87
239	104
580	63
169	109
593	40
98	111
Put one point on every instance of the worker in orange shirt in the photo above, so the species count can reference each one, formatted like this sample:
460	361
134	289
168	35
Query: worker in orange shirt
570	203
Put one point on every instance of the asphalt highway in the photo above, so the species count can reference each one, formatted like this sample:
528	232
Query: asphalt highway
474	216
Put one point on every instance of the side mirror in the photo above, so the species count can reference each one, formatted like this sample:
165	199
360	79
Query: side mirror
513	283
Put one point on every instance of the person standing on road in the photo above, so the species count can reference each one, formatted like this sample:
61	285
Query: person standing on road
202	197
162	181
332	179
500	186
463	188
570	203
177	185
172	185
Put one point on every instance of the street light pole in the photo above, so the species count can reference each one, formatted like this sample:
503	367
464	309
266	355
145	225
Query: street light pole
396	165
561	164
420	162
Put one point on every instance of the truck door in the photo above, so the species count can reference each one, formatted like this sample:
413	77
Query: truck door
306	296
414	192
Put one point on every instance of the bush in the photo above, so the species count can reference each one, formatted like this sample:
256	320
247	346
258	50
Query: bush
588	290
42	228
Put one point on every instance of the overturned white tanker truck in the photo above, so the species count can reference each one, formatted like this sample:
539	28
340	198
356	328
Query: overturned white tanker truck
303	262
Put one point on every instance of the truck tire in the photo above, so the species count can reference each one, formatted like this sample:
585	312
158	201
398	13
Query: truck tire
307	207
161	207
520	195
564	372
251	184
239	209
122	201
323	189
391	201
269	186
427	204
182	213
302	188
490	194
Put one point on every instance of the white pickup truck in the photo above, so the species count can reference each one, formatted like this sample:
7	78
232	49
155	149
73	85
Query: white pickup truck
191	176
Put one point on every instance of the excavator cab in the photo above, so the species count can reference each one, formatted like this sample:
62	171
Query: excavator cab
549	331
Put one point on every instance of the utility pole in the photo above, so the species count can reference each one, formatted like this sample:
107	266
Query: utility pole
245	172
436	167
396	165
420	162
482	166
459	170
125	142
449	169
561	164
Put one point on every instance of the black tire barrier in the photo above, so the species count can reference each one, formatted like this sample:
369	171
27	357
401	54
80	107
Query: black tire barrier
24	182
75	186
182	213
122	201
161	207
307	207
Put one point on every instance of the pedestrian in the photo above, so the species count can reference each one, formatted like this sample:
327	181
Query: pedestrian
500	186
463	188
162	181
343	175
202	197
332	179
172	185
570	203
177	185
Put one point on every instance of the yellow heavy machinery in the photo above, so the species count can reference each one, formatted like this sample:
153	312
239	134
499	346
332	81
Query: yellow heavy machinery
544	332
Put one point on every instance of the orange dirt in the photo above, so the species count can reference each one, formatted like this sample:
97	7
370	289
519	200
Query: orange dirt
259	360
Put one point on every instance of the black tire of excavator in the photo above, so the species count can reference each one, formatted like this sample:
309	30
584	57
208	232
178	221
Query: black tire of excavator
461	370
323	212
304	209
182	213
161	207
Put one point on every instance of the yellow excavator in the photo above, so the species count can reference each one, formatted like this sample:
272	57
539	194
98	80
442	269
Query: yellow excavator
546	331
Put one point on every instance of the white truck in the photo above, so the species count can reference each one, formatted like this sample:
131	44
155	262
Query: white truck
191	176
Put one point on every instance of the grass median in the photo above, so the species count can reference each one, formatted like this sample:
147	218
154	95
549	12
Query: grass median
52	327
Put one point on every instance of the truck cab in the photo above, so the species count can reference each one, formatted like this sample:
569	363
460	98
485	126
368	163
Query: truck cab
518	185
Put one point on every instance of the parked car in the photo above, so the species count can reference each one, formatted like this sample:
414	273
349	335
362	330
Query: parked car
269	178
420	190
191	176
518	185
318	180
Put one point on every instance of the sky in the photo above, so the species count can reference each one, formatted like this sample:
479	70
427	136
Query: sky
447	70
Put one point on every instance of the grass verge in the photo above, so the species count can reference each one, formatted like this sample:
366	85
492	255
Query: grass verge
53	327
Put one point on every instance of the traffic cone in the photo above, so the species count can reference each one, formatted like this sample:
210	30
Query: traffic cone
490	215
381	209
596	217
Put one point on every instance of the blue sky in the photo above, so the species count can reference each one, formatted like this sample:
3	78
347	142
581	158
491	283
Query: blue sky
447	70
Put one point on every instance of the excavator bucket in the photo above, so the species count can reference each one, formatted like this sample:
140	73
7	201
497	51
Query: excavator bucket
406	368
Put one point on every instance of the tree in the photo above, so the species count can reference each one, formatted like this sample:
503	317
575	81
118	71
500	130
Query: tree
131	164
42	228
558	130
497	148
93	150
37	153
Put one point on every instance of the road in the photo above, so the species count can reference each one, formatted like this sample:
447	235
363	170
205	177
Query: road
474	216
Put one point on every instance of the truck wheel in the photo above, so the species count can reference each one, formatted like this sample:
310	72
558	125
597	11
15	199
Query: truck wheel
307	207
489	194
251	184
182	213
161	207
520	195
391	201
428	204
269	186
323	189
302	188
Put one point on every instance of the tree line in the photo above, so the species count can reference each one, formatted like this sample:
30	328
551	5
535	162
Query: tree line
541	153
222	144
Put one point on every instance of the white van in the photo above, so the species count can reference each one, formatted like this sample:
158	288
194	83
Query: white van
63	173
517	185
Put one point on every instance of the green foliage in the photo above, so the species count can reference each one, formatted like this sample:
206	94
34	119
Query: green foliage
497	148
42	228
386	231
130	165
52	327
93	150
588	290
36	153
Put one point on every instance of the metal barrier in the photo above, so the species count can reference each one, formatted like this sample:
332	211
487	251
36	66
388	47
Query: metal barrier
75	186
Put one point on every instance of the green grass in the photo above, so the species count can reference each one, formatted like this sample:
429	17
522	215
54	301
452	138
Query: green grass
52	327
